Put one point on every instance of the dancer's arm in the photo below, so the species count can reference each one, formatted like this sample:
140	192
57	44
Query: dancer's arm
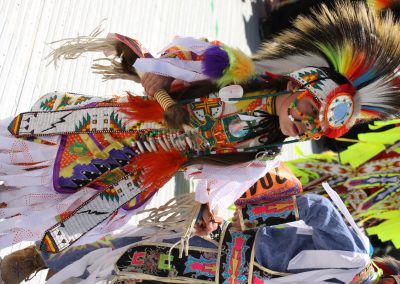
153	82
329	229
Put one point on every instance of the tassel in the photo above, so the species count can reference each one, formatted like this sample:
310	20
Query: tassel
139	108
158	167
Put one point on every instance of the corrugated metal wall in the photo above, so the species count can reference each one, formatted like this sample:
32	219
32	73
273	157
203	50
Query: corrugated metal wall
27	26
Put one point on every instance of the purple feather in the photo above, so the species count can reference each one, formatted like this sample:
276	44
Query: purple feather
215	61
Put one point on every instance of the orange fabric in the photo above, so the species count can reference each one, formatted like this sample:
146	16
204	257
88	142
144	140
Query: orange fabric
276	184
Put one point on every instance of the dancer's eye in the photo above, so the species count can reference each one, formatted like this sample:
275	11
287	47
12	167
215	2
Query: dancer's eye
314	111
307	107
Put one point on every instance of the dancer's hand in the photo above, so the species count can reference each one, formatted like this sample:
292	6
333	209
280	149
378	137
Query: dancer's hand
153	82
207	225
235	221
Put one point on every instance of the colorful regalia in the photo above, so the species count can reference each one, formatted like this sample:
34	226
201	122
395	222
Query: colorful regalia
164	249
309	223
119	152
90	144
116	153
366	175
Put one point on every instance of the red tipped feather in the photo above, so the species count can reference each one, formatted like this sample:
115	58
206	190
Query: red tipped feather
139	108
272	75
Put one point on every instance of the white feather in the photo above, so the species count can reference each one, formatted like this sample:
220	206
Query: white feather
284	66
378	93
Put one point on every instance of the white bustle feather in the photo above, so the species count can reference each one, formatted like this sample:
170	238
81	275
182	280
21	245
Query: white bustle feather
283	66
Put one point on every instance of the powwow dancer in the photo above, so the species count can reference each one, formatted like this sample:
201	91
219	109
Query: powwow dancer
274	244
127	152
277	249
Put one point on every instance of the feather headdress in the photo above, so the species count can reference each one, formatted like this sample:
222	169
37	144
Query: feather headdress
351	41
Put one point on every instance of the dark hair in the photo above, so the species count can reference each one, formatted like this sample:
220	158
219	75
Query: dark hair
335	76
128	57
267	130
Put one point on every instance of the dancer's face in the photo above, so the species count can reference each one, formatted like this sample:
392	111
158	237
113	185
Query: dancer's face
298	113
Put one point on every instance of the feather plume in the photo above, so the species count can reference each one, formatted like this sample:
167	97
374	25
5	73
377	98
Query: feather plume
141	109
240	68
158	167
215	61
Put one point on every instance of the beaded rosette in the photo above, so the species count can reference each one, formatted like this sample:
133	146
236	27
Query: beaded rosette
338	108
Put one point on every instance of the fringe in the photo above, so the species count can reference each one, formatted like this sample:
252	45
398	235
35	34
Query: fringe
113	71
72	48
179	214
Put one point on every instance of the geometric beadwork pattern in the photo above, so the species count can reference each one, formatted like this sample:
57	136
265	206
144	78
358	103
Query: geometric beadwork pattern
236	256
47	103
161	261
82	173
68	121
233	262
91	213
270	214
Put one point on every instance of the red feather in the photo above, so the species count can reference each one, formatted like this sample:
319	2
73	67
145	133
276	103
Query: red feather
139	108
158	167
